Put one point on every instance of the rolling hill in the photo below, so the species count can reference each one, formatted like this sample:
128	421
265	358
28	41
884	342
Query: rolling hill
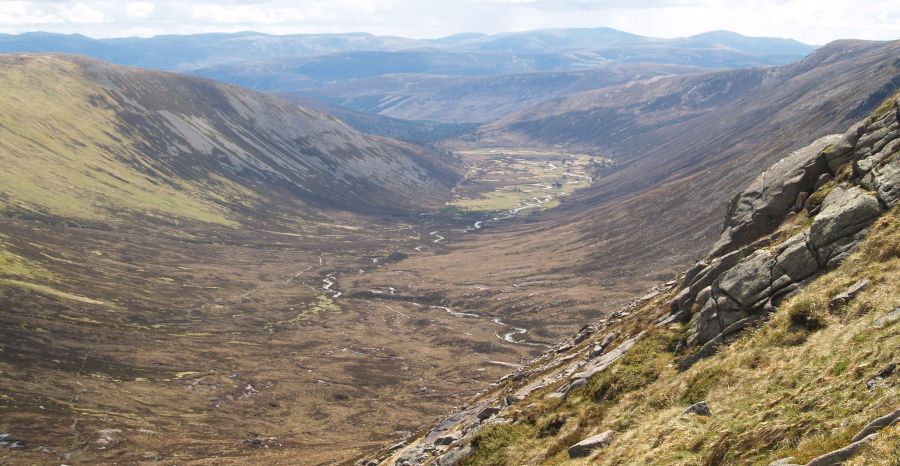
466	99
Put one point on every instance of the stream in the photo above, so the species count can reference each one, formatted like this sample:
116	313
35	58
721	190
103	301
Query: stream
327	283
506	336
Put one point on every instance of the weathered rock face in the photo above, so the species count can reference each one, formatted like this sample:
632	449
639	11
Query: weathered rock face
746	276
758	282
845	212
762	206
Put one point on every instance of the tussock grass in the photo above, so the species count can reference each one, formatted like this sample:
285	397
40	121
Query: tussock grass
641	366
889	104
499	444
884	450
796	386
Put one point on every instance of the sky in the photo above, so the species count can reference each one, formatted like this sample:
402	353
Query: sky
811	21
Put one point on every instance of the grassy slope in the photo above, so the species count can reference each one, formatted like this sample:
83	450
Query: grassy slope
65	153
781	390
14	265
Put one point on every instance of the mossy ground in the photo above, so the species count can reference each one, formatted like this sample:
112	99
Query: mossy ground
889	104
783	389
322	304
14	265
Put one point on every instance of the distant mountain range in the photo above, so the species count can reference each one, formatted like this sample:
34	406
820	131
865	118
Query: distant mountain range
360	54
458	79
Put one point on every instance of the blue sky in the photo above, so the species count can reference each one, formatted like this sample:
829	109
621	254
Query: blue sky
811	21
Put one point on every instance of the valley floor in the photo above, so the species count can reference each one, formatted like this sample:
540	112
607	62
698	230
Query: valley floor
317	343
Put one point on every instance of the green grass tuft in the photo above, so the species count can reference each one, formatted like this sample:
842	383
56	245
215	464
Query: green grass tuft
889	104
637	369
495	445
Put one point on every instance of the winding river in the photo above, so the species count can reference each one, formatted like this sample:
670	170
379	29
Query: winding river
507	336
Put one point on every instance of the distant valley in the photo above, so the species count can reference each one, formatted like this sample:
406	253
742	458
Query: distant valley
255	249
458	79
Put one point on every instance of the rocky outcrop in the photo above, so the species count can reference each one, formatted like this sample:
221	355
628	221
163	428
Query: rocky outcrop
845	213
844	298
760	208
588	445
699	408
757	282
749	271
601	363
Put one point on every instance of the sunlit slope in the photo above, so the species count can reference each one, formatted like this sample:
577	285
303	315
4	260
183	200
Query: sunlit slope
64	152
84	140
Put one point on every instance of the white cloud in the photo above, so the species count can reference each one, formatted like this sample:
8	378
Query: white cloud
22	13
139	10
250	14
80	13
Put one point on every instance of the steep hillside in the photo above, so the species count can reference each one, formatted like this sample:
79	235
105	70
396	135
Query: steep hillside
415	131
84	140
455	98
684	144
637	116
659	207
780	347
171	251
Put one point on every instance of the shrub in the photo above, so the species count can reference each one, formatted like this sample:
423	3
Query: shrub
805	313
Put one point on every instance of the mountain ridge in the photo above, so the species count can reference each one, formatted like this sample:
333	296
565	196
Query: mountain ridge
171	135
306	44
335	65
